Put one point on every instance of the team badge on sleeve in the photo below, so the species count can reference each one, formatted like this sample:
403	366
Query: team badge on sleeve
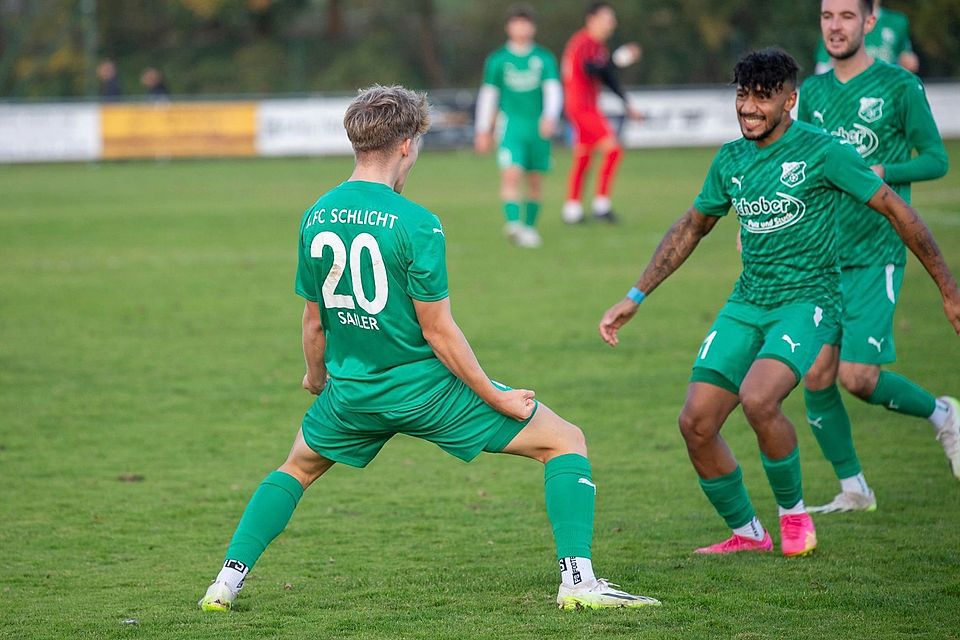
793	173
871	109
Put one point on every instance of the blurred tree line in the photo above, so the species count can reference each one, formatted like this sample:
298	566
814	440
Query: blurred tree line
49	48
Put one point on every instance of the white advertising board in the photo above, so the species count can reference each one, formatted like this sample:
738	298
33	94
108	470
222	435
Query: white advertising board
301	127
49	132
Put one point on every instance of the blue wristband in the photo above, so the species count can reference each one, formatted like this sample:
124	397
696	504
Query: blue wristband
636	295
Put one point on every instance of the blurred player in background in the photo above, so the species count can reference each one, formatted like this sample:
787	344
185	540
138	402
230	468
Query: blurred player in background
888	40
384	355
783	179
586	64
881	110
521	81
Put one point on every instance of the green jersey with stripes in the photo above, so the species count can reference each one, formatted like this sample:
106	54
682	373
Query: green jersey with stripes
365	254
889	38
883	112
785	195
520	78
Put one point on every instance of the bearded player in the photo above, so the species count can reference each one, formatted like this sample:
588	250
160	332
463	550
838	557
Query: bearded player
385	356
587	64
783	178
882	111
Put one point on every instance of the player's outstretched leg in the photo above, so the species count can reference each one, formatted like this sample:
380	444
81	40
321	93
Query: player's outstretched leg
767	383
897	393
265	517
704	412
570	493
602	205
830	424
573	208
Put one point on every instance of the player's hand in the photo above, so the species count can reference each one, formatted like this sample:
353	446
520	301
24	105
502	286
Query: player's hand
313	387
627	54
548	127
635	114
739	244
483	142
880	171
516	403
615	317
951	306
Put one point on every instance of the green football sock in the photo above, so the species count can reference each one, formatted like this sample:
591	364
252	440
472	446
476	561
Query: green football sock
266	515
785	479
570	493
831	427
533	210
899	394
728	495
511	211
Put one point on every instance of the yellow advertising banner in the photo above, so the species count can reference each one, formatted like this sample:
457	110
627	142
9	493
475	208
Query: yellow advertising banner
178	130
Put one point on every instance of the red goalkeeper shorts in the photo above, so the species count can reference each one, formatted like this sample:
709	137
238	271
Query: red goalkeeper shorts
590	127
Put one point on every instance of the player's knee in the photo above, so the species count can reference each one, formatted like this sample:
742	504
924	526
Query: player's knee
573	440
696	429
758	405
819	378
859	383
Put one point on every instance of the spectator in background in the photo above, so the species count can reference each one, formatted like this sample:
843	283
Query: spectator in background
110	89
889	40
153	81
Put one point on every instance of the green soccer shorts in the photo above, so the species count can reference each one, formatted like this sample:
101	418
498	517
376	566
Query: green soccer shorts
744	333
522	146
456	420
870	297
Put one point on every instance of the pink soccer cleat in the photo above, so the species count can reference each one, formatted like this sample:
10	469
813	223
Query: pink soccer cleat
736	544
798	537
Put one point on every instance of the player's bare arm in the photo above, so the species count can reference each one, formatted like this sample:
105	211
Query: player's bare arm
314	346
447	341
915	234
676	246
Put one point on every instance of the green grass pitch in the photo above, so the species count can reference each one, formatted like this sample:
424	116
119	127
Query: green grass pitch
150	374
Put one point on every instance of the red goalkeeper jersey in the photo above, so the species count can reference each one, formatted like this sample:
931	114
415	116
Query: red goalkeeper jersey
580	89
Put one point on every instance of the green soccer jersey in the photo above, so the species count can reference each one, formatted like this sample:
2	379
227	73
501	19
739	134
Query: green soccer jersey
889	38
883	112
785	195
520	78
366	253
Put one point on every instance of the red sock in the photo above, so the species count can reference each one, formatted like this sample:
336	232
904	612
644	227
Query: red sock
608	170
578	169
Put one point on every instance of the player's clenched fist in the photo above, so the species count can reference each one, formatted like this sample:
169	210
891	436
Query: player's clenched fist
516	403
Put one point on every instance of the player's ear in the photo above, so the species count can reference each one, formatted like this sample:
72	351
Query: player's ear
406	146
869	23
791	100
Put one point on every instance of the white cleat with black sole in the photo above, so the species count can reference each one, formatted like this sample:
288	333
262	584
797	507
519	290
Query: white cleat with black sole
600	595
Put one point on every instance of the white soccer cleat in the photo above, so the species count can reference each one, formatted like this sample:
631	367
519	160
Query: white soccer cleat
529	238
847	501
572	212
512	231
600	595
219	597
949	434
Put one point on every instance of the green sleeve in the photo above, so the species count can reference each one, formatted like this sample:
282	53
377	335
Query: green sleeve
550	69
306	282
803	112
491	71
921	131
822	55
847	171
713	199
426	249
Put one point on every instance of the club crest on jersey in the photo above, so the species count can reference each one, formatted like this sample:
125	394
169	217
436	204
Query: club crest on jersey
793	173
871	109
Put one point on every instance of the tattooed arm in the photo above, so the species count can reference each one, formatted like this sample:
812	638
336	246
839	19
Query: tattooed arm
915	234
678	243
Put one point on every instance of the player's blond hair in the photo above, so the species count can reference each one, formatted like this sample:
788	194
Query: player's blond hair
380	118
